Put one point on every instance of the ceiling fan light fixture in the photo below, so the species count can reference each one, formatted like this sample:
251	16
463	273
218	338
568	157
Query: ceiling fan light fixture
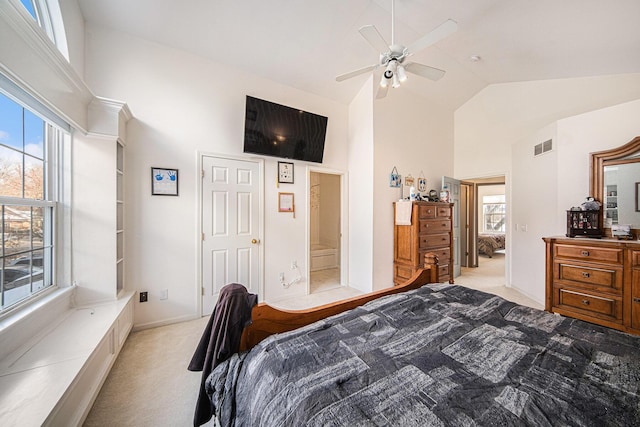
390	70
402	76
396	81
391	56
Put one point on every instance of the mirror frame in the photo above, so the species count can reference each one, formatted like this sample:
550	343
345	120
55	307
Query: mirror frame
599	160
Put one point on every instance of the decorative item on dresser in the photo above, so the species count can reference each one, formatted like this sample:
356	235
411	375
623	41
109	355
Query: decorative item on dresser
583	223
596	280
428	229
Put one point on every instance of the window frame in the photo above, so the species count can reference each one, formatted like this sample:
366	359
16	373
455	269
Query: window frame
42	17
54	142
502	215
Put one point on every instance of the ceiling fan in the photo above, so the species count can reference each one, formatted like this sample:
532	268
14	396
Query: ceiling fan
393	56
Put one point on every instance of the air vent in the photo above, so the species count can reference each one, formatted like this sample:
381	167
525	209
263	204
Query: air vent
543	147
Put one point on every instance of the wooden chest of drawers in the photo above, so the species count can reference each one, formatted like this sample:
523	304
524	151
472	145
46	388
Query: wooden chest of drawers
430	231
597	280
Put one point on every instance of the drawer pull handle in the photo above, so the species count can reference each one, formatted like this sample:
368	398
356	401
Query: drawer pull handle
636	300
585	274
585	301
585	253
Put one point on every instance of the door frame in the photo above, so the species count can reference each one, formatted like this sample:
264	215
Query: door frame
344	230
199	218
473	230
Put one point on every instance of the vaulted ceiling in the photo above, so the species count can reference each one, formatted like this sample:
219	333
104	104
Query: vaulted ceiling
307	43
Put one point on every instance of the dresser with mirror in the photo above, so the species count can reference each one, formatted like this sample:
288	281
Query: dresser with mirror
598	280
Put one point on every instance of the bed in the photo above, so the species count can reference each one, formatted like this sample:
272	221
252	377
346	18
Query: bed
489	243
437	354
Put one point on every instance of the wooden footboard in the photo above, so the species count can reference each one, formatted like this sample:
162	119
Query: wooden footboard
267	320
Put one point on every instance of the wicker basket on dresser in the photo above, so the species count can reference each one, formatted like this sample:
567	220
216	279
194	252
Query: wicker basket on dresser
596	280
430	231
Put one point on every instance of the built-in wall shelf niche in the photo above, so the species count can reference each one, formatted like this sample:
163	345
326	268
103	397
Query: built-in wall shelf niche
120	208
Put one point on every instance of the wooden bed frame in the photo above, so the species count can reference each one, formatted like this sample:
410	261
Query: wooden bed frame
267	320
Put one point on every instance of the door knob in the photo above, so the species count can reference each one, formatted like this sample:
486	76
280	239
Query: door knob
255	241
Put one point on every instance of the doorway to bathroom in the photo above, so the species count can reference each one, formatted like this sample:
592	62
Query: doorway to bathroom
325	231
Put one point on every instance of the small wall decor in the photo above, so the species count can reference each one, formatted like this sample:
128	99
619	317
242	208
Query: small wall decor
285	173
286	203
164	182
395	180
409	180
422	183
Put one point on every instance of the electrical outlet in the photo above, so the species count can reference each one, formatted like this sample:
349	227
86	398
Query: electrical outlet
164	294
144	296
294	265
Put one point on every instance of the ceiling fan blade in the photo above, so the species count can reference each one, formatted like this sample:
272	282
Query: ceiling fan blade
375	39
424	71
448	27
382	91
354	73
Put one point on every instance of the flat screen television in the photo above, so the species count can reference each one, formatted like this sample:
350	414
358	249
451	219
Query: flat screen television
277	130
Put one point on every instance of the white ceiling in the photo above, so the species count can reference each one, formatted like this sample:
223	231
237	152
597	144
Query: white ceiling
306	43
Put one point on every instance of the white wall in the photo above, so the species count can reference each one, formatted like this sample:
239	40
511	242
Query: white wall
416	136
495	133
35	63
502	114
580	135
93	218
533	212
181	107
541	189
361	193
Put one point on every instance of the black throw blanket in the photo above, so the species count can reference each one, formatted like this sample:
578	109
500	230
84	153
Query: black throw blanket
221	339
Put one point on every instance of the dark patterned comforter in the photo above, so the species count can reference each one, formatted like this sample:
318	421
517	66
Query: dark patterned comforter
442	355
489	243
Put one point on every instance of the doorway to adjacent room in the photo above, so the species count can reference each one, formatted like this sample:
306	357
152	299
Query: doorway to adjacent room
484	224
325	231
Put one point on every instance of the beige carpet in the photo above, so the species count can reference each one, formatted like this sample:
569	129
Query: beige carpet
489	277
149	384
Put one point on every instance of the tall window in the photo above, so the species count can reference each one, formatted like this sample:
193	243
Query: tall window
39	10
494	213
27	203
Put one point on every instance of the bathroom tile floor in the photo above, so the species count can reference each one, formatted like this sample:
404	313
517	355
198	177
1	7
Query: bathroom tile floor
489	277
325	288
323	280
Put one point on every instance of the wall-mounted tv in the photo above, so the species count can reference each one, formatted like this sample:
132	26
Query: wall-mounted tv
276	130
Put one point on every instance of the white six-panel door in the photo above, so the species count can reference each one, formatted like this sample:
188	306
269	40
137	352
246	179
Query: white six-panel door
230	226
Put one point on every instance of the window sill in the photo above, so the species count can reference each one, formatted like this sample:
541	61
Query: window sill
54	377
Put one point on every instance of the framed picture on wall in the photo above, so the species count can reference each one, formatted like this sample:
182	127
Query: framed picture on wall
285	202
285	173
164	182
422	185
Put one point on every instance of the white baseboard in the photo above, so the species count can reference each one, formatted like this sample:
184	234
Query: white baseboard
165	322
